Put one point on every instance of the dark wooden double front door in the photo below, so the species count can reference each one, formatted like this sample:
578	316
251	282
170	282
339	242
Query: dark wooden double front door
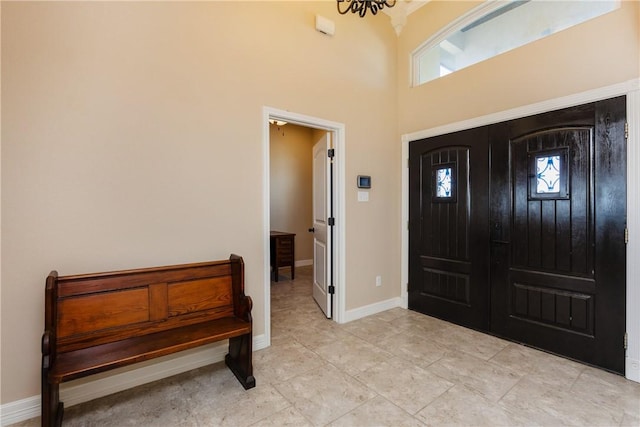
518	229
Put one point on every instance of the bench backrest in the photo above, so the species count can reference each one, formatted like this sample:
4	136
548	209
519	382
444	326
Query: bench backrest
85	310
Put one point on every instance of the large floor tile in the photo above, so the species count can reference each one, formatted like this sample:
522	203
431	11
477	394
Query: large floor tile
404	384
325	394
607	390
538	366
550	406
526	398
391	314
218	399
377	412
314	337
491	380
630	420
148	405
460	406
284	361
288	417
353	355
413	348
466	340
414	322
241	408
371	329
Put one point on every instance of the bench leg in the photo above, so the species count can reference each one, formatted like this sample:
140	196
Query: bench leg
52	409
239	360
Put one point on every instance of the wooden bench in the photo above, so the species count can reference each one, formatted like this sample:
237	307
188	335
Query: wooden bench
98	322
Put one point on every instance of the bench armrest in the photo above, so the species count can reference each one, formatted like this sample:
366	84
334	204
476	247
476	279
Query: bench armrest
242	304
50	316
244	309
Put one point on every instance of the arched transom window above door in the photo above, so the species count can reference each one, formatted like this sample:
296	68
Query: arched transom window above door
496	27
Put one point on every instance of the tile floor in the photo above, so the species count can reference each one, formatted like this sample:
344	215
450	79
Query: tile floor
396	368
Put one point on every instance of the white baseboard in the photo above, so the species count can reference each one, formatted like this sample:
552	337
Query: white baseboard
368	310
304	262
405	300
84	390
20	410
632	369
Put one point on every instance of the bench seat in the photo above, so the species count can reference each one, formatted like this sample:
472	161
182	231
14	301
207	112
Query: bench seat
87	361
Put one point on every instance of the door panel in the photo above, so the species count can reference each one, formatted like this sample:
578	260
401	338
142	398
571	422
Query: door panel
611	221
321	233
554	229
448	245
549	286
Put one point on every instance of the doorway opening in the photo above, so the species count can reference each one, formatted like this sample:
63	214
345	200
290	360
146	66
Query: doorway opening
335	134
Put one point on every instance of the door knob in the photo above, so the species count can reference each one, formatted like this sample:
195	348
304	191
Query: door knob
311	230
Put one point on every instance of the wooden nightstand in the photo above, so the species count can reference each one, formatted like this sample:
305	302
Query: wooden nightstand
282	252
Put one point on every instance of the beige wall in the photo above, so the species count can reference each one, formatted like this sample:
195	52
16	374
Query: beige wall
291	184
597	53
132	137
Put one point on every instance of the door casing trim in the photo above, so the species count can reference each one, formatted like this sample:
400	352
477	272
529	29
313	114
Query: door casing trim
338	140
629	88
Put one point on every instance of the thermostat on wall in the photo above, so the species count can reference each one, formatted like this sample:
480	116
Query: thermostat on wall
364	181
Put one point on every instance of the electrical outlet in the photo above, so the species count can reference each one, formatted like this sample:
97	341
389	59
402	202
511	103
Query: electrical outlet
378	280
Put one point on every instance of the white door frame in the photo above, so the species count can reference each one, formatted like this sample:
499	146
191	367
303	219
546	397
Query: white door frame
632	90
338	139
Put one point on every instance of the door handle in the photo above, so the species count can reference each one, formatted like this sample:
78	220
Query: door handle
311	230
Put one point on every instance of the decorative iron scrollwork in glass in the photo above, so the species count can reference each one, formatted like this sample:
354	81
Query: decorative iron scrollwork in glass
443	183
548	174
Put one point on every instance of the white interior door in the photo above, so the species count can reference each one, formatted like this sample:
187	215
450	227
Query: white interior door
321	230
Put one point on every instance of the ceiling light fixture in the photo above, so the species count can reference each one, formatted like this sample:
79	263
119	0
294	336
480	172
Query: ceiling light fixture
277	122
361	6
